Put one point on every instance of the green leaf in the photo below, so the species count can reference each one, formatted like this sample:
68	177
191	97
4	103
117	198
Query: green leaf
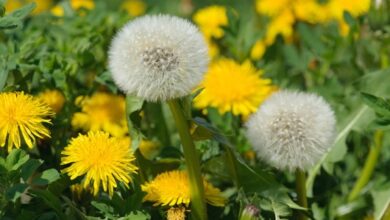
73	208
13	193
293	58
3	74
14	19
133	108
50	200
104	208
280	210
136	215
16	159
47	177
381	202
379	105
359	118
311	38
29	168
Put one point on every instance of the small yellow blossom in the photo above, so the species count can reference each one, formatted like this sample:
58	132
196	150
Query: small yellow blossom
258	50
271	7
134	7
284	13
57	11
41	5
101	111
103	160
172	188
210	20
336	9
311	11
77	4
233	87
53	98
281	24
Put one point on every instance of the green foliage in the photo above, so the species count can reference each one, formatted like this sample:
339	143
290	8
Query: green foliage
69	53
20	176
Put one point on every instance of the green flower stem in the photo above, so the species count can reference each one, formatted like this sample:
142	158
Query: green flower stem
301	192
369	166
198	210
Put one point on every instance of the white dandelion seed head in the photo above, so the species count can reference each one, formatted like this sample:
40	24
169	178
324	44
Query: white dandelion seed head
158	57
292	130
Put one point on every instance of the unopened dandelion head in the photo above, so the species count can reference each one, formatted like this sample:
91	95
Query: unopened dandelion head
158	57
292	130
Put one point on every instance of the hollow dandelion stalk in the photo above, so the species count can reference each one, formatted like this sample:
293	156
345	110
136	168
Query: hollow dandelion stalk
162	58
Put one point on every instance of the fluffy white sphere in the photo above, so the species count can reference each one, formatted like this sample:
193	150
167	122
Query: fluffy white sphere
158	57
292	130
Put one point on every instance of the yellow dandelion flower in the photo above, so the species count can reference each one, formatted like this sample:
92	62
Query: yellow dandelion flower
172	188
41	6
258	49
134	7
271	7
176	213
22	117
281	24
336	9
101	111
234	87
355	8
77	4
53	98
310	11
210	20
58	11
284	13
102	159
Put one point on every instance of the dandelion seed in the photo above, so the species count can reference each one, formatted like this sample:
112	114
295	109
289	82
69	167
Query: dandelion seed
292	130
158	57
